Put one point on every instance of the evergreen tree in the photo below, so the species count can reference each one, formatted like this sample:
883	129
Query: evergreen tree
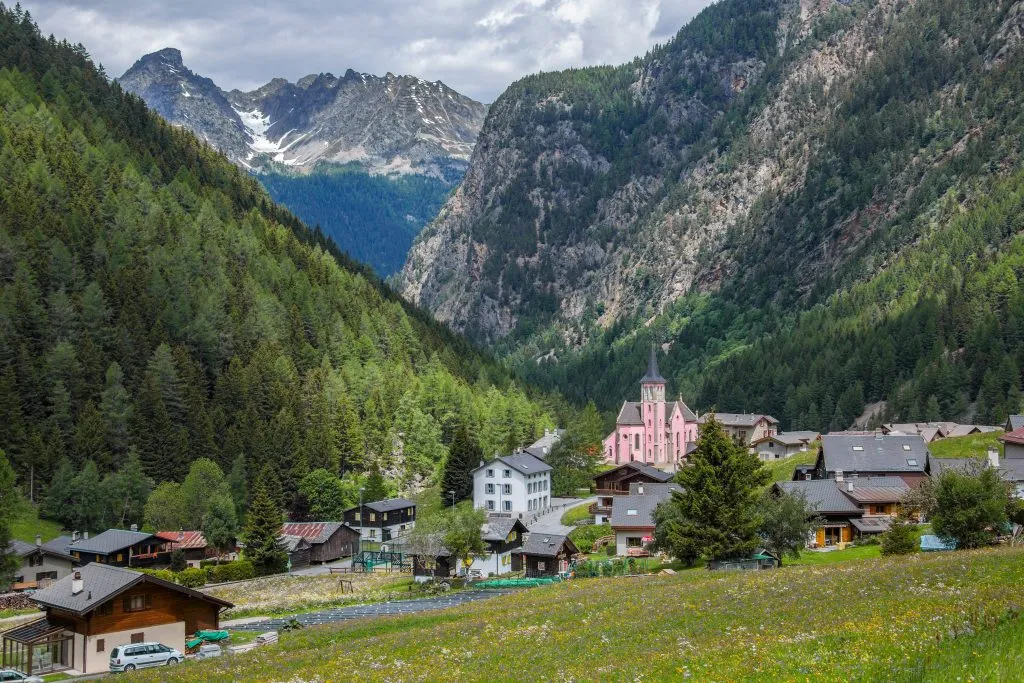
89	443
376	487
932	412
59	499
116	408
715	516
901	538
575	458
464	456
238	484
88	513
262	528
125	493
9	503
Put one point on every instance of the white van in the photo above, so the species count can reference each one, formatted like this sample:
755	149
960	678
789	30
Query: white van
141	655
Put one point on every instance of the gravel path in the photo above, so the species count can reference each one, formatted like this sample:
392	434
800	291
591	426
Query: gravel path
380	609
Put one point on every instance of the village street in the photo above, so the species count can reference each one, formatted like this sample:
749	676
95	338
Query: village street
550	521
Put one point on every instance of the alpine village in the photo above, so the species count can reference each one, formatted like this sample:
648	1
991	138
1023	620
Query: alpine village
697	360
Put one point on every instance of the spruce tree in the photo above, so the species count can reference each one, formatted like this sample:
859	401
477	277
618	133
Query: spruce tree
262	527
464	456
715	516
376	487
9	501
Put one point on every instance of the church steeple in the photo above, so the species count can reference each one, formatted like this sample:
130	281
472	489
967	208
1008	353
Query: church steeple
652	385
653	375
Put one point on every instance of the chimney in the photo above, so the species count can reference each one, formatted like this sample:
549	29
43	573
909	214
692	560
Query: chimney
39	540
135	527
993	457
85	535
74	536
77	584
839	475
807	476
640	490
849	486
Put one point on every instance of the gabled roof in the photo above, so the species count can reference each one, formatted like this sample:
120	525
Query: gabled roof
653	374
497	528
1015	422
791	438
1015	437
637	511
876	453
547	545
652	472
683	408
101	582
314	532
629	414
822	494
183	540
59	544
292	542
110	541
738	419
541	448
521	462
22	549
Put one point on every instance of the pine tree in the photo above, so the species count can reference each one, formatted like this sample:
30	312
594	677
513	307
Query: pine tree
238	483
464	456
9	561
715	515
90	439
116	408
376	488
262	529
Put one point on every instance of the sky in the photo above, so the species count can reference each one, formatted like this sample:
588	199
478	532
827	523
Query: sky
477	47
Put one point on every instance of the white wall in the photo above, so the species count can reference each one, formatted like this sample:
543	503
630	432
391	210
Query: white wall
621	545
520	497
487	564
171	635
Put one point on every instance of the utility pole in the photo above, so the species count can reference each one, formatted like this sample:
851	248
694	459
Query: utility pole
361	489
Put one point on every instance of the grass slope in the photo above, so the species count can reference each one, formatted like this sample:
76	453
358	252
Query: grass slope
782	470
973	446
26	524
868	620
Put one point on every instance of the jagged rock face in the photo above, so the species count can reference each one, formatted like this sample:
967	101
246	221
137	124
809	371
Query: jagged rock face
650	202
388	124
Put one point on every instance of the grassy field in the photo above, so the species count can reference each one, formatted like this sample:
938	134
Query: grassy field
875	619
26	524
782	470
284	595
576	514
995	654
857	552
975	445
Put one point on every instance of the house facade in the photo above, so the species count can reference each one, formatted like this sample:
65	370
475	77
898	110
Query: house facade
849	456
503	537
382	520
652	430
617	481
1013	444
40	565
100	607
328	541
784	444
632	518
191	543
849	509
118	548
512	484
545	555
746	428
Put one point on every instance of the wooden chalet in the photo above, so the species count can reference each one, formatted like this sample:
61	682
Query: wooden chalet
617	481
544	555
118	548
382	520
100	607
192	543
328	541
39	565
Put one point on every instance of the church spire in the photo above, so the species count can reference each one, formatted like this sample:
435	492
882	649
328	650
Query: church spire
653	374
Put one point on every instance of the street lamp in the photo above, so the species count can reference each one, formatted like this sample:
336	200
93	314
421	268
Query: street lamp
361	489
452	494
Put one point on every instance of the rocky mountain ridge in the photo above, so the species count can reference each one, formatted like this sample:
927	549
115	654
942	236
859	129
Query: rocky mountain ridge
386	124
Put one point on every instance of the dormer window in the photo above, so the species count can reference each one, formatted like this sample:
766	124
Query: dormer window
911	462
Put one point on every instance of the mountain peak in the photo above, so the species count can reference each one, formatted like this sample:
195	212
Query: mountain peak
169	55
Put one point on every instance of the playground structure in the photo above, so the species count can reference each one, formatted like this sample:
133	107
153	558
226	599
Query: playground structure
381	560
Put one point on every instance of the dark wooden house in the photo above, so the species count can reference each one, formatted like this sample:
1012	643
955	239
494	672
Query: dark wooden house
192	543
616	482
298	551
544	555
382	520
100	607
118	548
328	541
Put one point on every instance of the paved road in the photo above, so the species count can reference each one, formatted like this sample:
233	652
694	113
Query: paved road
550	522
379	609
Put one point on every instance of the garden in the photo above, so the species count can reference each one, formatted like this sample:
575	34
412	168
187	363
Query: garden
876	619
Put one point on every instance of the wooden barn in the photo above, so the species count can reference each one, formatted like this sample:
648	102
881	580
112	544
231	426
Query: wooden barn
328	541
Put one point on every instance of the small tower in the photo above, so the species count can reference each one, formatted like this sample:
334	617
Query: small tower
652	385
652	401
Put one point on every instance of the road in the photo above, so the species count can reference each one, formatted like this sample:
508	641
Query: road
550	521
380	609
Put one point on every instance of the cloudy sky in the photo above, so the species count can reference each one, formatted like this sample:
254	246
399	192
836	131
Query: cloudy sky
476	46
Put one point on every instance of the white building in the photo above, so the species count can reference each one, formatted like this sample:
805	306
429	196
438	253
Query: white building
516	483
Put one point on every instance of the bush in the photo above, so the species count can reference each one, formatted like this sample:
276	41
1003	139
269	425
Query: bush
584	536
900	539
178	562
239	570
163	574
192	577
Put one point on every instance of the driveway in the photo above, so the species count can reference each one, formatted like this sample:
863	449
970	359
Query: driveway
380	609
550	520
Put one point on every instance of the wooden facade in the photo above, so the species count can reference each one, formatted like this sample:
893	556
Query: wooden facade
342	543
441	567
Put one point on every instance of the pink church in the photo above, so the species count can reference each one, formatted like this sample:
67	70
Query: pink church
652	431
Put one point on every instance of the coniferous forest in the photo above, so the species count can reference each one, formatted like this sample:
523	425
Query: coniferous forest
157	308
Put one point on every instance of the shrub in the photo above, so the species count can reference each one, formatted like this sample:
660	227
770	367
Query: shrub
239	570
163	574
178	562
192	577
900	539
584	536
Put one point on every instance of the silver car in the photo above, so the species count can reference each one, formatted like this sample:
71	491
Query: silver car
7	675
141	655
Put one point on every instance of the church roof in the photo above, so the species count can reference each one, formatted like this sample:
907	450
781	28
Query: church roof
653	374
684	409
629	414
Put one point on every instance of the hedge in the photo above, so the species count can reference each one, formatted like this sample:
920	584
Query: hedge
239	570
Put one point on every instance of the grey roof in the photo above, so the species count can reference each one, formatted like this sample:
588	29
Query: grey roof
541	448
738	419
497	528
872	524
110	541
823	495
662	489
685	409
629	414
1012	469
390	504
642	507
291	542
546	545
652	472
100	582
59	544
521	462
22	549
876	453
1016	422
653	374
793	438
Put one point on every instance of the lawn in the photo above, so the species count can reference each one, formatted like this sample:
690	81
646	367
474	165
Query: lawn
782	470
26	524
576	514
874	619
857	552
974	445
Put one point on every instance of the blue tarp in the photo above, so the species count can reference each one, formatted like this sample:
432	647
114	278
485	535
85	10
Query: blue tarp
931	542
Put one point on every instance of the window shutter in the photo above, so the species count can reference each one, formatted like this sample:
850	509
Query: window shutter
127	605
149	600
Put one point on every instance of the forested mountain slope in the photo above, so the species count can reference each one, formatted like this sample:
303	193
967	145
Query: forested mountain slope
826	219
154	300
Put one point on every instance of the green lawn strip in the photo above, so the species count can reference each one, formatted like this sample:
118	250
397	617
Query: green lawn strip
26	524
782	470
7	613
867	620
972	446
857	552
576	514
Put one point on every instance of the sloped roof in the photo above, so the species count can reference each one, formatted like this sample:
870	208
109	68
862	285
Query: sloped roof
390	504
314	532
59	544
684	409
1015	437
110	541
22	549
876	453
1016	422
875	489
629	414
663	489
100	582
547	545
652	472
292	542
939	465
497	528
738	419
872	524
184	540
521	462
652	374
1012	469
636	510
822	494
541	448
792	438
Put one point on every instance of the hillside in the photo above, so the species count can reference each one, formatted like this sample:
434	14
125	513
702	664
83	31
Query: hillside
369	159
803	222
153	300
899	619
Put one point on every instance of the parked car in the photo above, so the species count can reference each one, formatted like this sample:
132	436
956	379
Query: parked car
208	651
141	655
18	677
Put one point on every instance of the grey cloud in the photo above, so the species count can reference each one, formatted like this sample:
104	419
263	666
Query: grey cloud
476	46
